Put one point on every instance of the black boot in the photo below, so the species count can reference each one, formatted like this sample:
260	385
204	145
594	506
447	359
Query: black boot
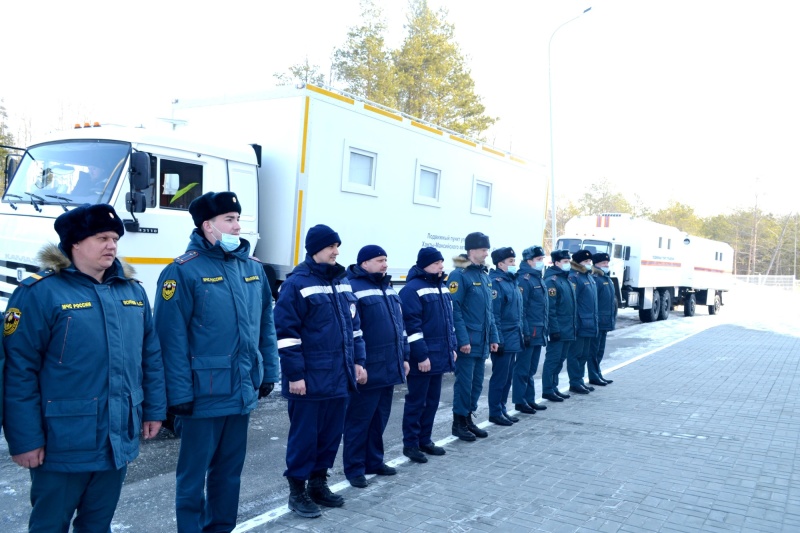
319	491
460	429
299	501
475	430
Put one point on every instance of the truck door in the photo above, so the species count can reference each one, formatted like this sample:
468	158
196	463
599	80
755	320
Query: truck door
242	181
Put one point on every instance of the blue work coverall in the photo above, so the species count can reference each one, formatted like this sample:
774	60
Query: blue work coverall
386	347
319	341
213	315
471	291
83	372
428	316
534	328
562	319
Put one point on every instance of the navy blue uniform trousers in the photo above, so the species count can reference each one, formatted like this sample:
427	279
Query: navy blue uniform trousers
576	360
315	430
525	368
422	401
55	496
500	382
469	384
367	415
209	472
596	353
554	358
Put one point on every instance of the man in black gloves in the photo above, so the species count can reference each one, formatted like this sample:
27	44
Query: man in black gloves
214	320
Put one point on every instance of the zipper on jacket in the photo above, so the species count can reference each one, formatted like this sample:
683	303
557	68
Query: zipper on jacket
64	344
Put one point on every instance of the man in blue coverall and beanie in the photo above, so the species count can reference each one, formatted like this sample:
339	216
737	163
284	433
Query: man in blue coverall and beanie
322	358
471	291
387	365
214	321
83	376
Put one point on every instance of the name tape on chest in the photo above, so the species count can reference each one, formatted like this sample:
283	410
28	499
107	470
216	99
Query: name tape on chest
77	305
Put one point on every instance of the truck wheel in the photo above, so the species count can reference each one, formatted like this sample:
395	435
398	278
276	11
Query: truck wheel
666	304
651	315
714	309
689	305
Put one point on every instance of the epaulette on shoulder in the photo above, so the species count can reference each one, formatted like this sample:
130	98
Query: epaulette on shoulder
39	276
254	258
185	258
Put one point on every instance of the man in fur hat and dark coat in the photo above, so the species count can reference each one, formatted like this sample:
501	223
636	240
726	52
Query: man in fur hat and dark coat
83	376
476	333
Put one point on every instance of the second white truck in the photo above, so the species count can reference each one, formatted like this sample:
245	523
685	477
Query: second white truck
655	267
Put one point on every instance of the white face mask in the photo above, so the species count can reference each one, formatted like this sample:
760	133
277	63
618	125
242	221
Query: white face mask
512	269
566	267
228	241
538	265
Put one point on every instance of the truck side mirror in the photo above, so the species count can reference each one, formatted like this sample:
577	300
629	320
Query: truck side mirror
140	171
135	202
12	163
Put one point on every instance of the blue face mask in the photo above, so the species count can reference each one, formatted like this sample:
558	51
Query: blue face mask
605	269
566	267
512	269
538	265
228	241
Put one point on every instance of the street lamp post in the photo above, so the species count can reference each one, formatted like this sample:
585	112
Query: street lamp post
550	93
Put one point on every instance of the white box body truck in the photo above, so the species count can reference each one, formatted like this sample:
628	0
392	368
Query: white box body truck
296	158
654	267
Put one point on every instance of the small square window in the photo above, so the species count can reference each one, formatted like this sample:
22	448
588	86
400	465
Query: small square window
481	196
359	170
427	185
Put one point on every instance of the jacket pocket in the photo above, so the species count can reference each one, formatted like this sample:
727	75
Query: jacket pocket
71	425
320	379
135	415
212	375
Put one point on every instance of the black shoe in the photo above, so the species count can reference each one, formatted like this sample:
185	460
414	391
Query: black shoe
553	397
299	500
608	381
415	455
432	449
562	394
359	482
513	419
538	407
589	388
384	470
475	430
460	428
598	383
525	408
500	421
319	491
579	390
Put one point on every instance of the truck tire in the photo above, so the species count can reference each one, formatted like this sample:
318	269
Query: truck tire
666	304
714	309
689	305
652	314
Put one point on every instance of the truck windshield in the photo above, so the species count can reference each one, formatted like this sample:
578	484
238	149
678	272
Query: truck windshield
68	172
573	245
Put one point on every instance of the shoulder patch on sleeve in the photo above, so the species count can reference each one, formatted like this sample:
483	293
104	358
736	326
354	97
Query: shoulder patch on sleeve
188	256
551	291
453	287
10	321
39	276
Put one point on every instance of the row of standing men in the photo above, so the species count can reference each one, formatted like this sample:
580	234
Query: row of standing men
89	369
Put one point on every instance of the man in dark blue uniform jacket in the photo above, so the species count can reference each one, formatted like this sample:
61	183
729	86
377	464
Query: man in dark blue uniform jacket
214	321
322	357
534	329
561	322
84	375
586	325
606	317
471	291
387	365
428	315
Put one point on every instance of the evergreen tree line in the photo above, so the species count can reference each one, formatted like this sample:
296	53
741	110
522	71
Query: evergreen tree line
763	243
